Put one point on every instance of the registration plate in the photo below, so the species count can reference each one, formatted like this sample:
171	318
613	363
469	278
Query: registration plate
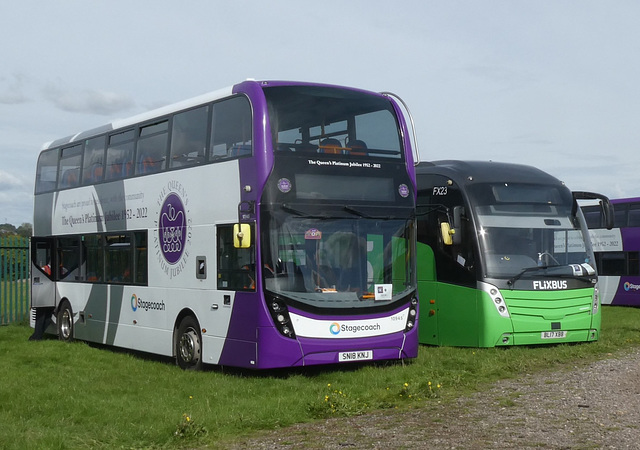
360	355
554	334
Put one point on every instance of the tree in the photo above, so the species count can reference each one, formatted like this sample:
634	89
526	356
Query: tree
7	228
25	230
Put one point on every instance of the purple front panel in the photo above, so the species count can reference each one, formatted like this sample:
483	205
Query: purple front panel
391	346
275	350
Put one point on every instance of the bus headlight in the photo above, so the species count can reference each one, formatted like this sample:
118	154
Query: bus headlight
413	314
596	300
281	319
497	299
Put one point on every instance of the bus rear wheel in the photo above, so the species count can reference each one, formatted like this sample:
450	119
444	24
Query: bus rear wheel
64	322
189	345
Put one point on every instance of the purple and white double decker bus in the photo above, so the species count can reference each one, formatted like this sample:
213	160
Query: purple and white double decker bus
269	224
617	251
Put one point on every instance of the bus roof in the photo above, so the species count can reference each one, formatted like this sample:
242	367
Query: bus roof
158	112
182	105
469	172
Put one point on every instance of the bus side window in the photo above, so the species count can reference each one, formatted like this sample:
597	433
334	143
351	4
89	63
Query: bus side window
94	255
189	137
231	132
140	257
69	170
634	215
152	148
120	156
118	258
68	267
93	160
236	266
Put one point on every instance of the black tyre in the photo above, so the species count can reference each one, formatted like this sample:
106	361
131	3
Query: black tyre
64	322
189	344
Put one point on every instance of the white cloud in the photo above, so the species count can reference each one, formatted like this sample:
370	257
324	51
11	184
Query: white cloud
12	90
89	101
9	181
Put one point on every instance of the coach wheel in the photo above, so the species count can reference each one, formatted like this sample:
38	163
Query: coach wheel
64	321
189	345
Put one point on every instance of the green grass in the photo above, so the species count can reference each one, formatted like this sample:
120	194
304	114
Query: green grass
56	395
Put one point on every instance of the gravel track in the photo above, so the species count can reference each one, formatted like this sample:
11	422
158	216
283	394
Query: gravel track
596	406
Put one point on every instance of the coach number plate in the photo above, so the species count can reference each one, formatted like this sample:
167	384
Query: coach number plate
360	355
554	334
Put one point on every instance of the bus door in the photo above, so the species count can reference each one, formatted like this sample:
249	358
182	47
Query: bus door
43	288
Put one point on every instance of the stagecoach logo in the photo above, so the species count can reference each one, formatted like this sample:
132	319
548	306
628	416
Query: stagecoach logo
335	328
134	302
174	232
631	287
137	302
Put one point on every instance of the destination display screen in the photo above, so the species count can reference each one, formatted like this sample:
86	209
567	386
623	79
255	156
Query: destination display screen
334	187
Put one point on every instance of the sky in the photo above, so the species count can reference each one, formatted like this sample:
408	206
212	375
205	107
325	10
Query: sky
553	84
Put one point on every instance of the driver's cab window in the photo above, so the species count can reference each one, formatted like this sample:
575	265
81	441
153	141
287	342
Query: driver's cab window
444	203
236	266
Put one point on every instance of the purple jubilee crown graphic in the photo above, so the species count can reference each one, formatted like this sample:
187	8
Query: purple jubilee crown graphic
172	228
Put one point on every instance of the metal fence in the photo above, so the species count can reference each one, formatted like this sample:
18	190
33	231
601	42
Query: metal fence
14	279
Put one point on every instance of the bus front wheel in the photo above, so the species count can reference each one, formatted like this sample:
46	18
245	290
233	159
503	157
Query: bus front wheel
64	322
189	345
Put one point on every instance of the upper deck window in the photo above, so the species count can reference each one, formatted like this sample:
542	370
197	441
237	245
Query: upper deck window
231	129
120	155
93	166
189	137
151	154
308	119
69	170
47	171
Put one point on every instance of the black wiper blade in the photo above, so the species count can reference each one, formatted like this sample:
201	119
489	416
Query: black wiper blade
300	213
515	278
357	212
353	210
